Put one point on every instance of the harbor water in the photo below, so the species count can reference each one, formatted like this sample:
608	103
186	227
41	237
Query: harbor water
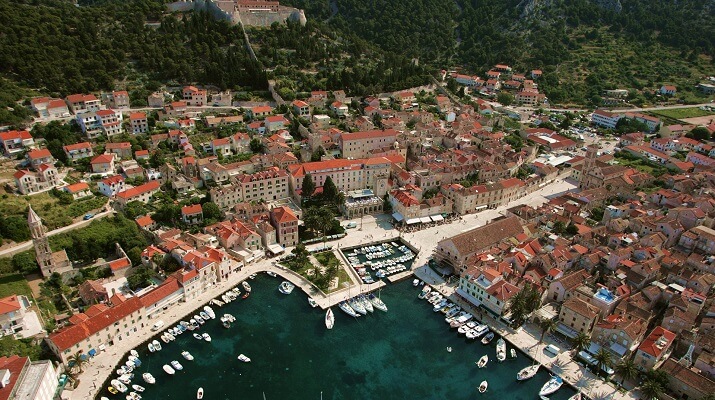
401	354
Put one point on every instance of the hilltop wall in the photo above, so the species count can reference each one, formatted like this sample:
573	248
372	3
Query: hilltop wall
228	10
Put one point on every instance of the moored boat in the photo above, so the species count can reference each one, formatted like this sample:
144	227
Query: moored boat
415	282
551	386
210	312
347	309
134	353
206	336
501	350
133	396
148	378
168	369
176	365
156	344
329	319
357	306
312	302
488	338
118	385
197	336
482	361
200	393
246	286
527	372
513	353
365	303
483	387
138	388
271	273
204	316
243	358
286	287
577	396
377	302
187	355
425	291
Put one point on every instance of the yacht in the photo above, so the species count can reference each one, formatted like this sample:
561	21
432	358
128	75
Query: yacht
200	393
481	330
329	319
118	385
551	386
156	344
366	303
501	350
425	291
138	388
177	365
527	373
347	309
376	302
357	306
467	327
286	287
482	361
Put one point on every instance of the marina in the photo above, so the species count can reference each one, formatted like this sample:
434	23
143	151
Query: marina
289	347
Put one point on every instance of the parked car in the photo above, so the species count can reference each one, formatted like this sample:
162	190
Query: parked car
88	216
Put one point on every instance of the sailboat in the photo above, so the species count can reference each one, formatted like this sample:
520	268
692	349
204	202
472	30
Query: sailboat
329	319
551	386
527	373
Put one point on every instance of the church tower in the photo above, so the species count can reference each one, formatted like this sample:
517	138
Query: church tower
43	253
588	165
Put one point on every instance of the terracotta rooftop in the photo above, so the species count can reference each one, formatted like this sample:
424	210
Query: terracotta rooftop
486	236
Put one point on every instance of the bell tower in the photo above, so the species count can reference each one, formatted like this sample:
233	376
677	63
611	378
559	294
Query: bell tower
588	165
43	253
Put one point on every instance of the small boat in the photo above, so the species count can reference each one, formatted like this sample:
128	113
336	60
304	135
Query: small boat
164	338
200	393
187	355
449	349
527	372
206	336
226	324
138	388
425	291
551	386
312	302
488	338
168	369
210	312
204	316
286	287
577	396
271	273
252	276
501	350
513	353
134	353
197	336
151	347
198	319
112	390
243	358
483	387
118	385
246	286
177	366
148	378
245	295
376	302
482	361
156	344
125	379
415	282
329	319
134	396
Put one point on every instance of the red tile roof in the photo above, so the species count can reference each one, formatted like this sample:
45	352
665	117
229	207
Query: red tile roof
77	146
371	134
121	263
283	215
136	191
191	210
137	115
654	345
12	135
113	180
170	286
9	304
103	159
40	153
144	221
120	145
77	187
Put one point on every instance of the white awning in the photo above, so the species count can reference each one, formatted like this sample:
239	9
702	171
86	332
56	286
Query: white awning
425	220
275	248
437	217
480	208
412	221
397	216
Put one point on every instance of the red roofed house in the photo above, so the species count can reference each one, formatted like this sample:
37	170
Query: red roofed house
275	123
122	150
140	193
78	190
286	224
221	146
655	349
146	222
668	90
301	108
78	151
111	186
120	321
93	292
14	142
38	157
120	266
619	334
83	102
165	295
118	99
139	122
192	214
28	182
259	111
103	164
194	96
12	314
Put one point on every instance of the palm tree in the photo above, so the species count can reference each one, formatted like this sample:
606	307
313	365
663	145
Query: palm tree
76	361
626	368
651	389
547	326
581	341
603	359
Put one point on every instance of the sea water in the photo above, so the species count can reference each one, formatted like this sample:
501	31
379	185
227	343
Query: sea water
401	354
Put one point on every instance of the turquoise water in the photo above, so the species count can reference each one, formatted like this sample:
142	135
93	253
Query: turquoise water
396	355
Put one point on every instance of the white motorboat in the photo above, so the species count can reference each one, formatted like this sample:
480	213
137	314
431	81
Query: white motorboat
138	388
481	330
329	319
187	355
156	344
425	291
415	282
252	276
148	378
134	353
164	338
438	306
513	353
168	369
482	361
357	306
377	302
488	338
461	320
204	316
577	396
501	350
312	302
286	287
118	385
176	365
198	319
483	387
206	336
347	309
467	327
197	336
133	396
271	273
246	286
125	379
365	303
551	386
243	358
210	312
527	372
200	393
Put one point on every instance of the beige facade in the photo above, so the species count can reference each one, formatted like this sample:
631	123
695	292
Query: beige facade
271	184
347	175
362	144
577	316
